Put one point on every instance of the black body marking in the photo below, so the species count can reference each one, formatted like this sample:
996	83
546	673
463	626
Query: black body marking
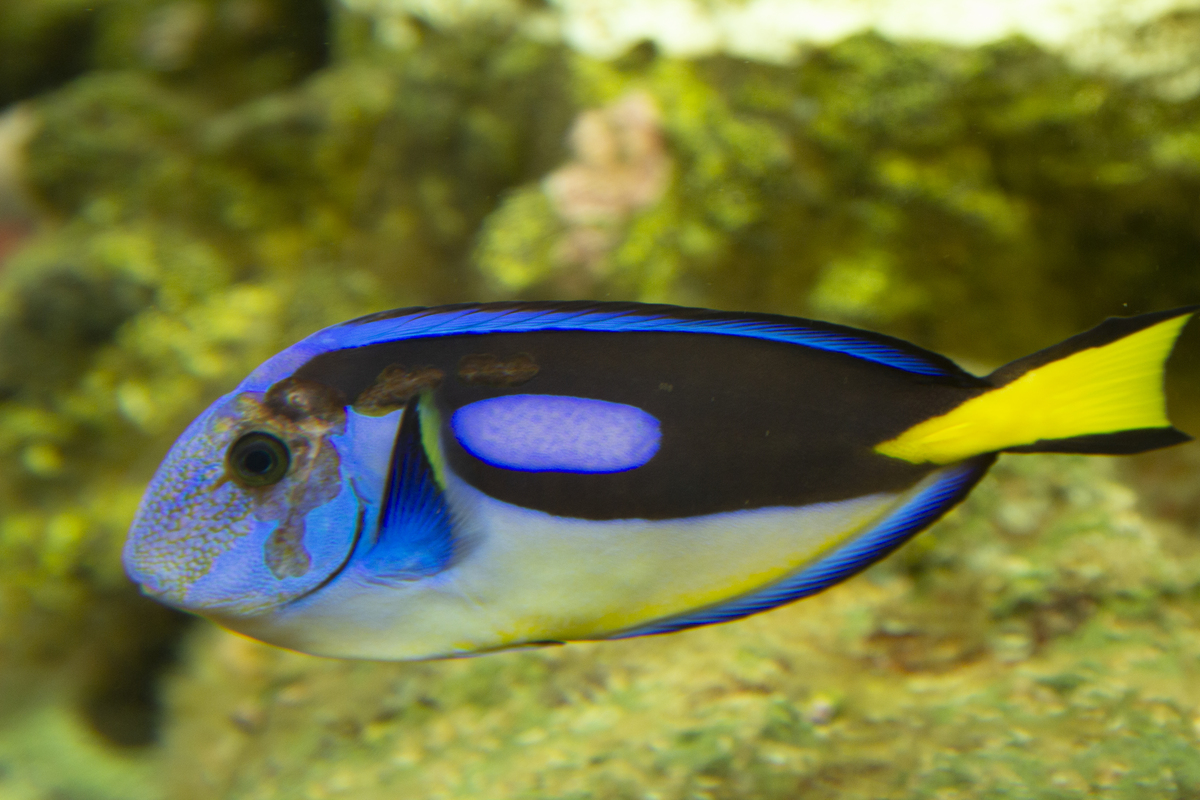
825	412
1120	443
1106	332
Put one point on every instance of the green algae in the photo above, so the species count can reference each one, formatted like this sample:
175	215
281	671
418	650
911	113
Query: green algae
209	193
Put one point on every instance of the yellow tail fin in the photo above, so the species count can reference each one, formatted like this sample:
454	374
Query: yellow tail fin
1098	392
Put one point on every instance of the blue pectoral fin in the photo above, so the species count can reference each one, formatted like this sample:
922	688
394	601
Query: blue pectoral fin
414	538
920	511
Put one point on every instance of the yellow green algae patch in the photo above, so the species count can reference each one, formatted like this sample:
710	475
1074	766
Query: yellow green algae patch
1040	643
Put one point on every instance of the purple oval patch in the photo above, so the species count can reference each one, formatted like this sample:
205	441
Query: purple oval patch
557	433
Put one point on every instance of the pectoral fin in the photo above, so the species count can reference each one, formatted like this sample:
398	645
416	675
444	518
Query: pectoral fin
414	538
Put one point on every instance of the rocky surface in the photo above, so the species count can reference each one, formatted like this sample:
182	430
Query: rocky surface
1040	643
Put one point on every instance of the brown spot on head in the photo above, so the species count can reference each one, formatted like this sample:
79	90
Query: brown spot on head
299	400
301	414
285	553
488	369
395	386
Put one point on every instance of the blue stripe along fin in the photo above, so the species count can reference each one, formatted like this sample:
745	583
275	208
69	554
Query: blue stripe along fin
414	538
911	518
479	318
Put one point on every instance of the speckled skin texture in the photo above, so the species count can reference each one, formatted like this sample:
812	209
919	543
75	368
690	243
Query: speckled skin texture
173	546
202	541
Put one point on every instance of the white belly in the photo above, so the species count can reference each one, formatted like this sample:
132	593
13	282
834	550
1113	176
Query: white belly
527	576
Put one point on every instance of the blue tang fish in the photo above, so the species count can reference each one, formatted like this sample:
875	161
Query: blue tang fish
436	482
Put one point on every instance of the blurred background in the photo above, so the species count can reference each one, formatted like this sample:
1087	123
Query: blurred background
188	186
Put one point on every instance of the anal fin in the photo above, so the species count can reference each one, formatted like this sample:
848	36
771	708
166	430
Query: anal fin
943	491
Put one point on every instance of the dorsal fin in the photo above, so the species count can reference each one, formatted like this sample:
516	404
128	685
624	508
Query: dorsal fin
478	318
414	538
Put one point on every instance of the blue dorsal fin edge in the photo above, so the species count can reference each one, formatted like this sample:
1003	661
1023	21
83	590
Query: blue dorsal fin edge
414	538
920	511
479	318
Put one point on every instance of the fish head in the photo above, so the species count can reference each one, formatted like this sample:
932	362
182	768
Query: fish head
252	508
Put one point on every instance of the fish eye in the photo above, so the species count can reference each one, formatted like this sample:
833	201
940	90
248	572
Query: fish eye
258	459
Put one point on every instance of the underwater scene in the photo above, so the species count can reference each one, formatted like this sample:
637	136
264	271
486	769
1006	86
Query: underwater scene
189	187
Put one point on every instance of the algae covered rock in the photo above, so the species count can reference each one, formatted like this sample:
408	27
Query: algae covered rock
43	45
1034	644
227	51
882	183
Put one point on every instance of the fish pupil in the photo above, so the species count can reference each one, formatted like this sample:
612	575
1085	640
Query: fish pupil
258	459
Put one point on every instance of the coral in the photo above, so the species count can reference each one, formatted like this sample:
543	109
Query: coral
620	168
569	225
627	233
